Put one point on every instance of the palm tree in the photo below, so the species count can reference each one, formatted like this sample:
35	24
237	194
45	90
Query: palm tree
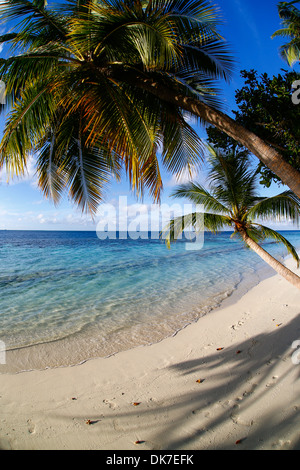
232	201
290	16
83	124
95	87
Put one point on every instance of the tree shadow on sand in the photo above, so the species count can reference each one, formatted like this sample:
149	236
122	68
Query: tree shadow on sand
249	375
227	409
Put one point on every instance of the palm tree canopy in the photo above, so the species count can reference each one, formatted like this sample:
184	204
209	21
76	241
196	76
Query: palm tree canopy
232	201
290	16
82	123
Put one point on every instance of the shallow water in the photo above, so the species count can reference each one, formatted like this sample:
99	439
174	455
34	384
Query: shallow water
68	296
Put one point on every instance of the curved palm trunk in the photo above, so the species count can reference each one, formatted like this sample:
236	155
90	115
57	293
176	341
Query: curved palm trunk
279	268
266	154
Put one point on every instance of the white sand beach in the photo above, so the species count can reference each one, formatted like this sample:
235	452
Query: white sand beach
229	381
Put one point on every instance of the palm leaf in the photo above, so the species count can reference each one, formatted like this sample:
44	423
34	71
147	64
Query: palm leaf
34	16
212	57
270	233
197	194
86	170
51	177
19	73
27	123
284	206
198	221
182	148
290	16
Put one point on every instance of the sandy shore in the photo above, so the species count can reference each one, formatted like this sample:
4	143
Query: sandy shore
232	376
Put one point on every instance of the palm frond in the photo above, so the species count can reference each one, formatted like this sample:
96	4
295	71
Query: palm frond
231	180
175	228
82	169
195	20
197	194
198	221
33	17
216	222
284	206
268	233
212	57
290	16
127	34
26	125
20	72
283	32
291	52
51	176
151	175
182	148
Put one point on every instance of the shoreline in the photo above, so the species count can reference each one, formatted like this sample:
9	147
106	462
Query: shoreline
66	344
228	377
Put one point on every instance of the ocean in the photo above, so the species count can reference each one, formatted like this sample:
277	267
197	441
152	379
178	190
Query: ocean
66	297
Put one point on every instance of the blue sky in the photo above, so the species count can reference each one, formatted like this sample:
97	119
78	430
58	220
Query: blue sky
248	26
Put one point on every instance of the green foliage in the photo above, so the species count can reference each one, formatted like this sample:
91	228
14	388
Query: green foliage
265	107
223	142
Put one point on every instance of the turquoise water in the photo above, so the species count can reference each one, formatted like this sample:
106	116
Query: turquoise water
88	297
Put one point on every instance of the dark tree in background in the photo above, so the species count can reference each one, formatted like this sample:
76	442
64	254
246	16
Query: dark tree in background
266	108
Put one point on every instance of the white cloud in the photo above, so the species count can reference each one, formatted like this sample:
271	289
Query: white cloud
29	175
185	177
